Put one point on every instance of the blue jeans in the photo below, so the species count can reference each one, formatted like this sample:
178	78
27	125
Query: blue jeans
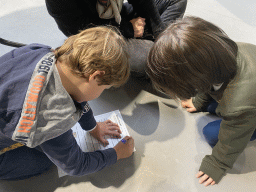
211	130
22	163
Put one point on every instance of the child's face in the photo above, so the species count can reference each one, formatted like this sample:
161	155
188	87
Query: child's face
92	92
89	90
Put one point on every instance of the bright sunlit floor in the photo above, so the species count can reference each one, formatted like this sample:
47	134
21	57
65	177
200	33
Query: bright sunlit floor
168	140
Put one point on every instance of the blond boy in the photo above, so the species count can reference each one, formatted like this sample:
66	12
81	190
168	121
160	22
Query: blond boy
43	93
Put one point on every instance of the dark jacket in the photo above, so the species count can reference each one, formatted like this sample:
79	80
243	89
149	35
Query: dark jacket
74	15
36	111
237	107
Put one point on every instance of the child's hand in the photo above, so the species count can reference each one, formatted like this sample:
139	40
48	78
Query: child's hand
106	128
204	179
124	150
138	26
188	104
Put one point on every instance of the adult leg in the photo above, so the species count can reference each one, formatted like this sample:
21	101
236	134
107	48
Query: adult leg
211	132
22	163
170	10
138	50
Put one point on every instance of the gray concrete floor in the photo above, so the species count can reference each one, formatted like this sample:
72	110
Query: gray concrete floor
168	140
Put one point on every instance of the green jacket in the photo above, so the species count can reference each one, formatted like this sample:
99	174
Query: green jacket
237	107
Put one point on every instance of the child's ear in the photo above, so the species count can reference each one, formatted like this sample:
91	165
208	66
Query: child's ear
95	74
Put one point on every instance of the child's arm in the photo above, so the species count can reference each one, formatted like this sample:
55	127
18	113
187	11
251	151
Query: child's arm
235	132
65	153
201	101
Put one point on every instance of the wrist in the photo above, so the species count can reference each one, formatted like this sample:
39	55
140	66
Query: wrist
116	150
93	129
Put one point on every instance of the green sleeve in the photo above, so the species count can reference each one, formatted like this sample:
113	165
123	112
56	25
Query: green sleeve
236	130
201	101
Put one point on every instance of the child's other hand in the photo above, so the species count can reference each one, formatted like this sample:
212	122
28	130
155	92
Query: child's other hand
106	128
204	179
188	104
124	150
138	26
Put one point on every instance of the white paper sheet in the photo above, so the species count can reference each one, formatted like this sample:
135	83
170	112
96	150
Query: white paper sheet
88	143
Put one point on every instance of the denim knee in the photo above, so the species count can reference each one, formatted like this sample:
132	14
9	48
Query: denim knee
211	108
211	132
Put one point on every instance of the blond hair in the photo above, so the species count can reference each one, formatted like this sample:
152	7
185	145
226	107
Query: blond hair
99	48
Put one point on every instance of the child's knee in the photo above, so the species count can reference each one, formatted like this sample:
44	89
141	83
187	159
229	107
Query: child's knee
212	128
211	132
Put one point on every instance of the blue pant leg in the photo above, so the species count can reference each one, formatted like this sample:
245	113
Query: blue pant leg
211	108
211	132
22	163
253	136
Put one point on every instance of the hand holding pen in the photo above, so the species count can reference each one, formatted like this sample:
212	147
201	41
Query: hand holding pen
124	148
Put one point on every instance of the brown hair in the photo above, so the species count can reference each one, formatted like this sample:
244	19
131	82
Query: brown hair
99	48
190	56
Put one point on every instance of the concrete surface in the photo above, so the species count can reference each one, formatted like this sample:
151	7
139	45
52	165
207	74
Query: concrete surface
168	140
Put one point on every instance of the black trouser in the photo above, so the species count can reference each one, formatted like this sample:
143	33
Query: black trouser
69	21
22	163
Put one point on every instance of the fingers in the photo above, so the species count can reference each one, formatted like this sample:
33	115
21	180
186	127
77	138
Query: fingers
128	141
116	130
104	141
113	126
140	23
139	27
108	121
113	130
199	174
205	179
127	138
138	31
209	182
184	104
113	134
131	141
192	109
138	34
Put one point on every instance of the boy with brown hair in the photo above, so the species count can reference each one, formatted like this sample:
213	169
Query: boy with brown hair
44	93
193	58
